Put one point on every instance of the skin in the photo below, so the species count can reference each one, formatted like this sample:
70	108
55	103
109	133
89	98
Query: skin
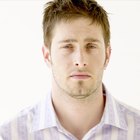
77	59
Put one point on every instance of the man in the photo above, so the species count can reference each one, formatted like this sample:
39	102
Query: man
79	107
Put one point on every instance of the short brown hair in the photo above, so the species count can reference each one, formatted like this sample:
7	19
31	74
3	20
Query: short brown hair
58	10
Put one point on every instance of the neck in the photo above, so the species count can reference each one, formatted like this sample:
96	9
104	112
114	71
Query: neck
78	116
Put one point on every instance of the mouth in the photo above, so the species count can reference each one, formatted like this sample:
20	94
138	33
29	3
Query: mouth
80	76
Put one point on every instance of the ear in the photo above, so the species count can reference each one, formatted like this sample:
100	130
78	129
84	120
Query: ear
46	55
108	54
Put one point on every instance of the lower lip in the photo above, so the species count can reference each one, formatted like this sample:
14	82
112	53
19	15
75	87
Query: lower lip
80	77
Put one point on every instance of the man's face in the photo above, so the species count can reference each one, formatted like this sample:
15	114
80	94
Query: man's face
78	57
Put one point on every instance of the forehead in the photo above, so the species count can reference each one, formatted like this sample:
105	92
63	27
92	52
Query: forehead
77	29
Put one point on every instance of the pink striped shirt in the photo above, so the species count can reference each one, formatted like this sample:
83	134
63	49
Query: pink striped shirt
119	122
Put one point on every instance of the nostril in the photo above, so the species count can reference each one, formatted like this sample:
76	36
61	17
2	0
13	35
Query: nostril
80	64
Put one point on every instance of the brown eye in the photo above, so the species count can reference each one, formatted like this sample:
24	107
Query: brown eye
90	46
68	46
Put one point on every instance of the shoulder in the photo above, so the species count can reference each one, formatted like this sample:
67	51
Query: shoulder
131	116
20	124
129	109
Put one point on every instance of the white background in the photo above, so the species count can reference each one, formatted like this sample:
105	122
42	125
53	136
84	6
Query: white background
25	78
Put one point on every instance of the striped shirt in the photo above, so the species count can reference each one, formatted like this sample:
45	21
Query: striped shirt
119	122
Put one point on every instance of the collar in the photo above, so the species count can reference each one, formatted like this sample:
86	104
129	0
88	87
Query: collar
44	117
114	112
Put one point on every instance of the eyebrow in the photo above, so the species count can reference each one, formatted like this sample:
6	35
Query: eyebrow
74	40
92	40
68	41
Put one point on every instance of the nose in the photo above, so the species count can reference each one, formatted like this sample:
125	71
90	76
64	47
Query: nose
80	59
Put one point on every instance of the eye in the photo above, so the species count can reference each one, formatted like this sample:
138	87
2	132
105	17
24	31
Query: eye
67	46
91	46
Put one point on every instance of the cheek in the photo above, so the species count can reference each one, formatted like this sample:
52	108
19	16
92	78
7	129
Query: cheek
59	65
62	61
98	59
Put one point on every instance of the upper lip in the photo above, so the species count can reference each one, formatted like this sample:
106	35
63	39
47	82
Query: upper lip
80	74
